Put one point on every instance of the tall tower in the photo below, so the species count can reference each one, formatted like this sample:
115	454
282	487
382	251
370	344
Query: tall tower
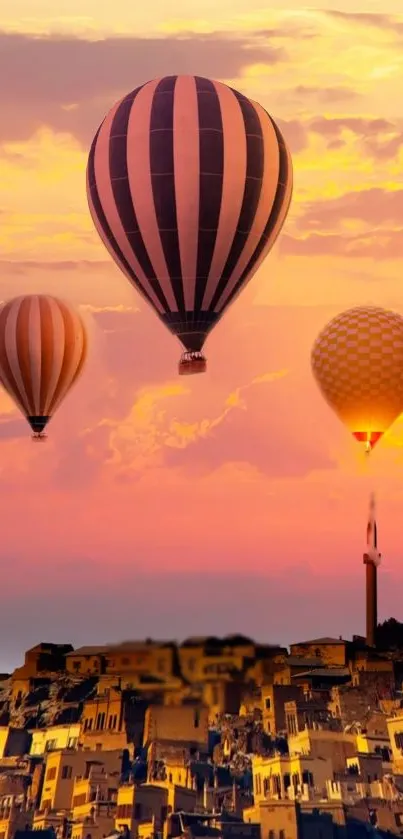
371	559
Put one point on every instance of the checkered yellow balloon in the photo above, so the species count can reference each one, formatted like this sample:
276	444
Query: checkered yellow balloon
357	361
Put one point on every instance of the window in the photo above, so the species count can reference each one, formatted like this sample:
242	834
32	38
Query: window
72	742
100	721
196	718
267	703
78	800
47	805
282	834
76	666
170	778
271	834
67	772
399	739
137	811
51	745
51	773
124	811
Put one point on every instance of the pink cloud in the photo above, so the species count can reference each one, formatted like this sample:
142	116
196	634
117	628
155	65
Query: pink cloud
294	133
376	207
326	94
375	19
379	138
385	244
50	74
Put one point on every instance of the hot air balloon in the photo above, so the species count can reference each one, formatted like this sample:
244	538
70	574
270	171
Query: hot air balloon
43	347
188	184
357	361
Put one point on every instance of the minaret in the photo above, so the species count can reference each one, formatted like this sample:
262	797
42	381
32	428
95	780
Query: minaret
371	559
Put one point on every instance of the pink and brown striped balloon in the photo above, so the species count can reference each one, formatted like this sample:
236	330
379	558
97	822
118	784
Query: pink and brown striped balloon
189	184
43	347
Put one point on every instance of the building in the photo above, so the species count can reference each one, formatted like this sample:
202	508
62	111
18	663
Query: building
64	768
132	660
305	819
186	724
330	651
395	731
149	805
286	776
112	719
14	742
86	661
54	738
42	660
206	658
94	801
335	746
273	700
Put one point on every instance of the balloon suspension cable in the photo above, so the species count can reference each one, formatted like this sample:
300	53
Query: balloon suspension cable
191	363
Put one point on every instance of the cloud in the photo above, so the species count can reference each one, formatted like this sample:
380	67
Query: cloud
375	207
255	436
19	267
150	431
380	138
12	428
326	94
295	134
365	19
69	83
381	245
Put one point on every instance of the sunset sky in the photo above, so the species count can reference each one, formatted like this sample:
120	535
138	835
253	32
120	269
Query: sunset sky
233	501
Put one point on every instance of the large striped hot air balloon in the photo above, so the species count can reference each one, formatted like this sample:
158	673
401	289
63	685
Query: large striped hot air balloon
43	347
357	361
188	184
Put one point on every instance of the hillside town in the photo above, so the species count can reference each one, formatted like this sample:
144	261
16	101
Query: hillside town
215	737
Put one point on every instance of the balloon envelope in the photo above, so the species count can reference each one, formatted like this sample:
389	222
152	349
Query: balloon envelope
188	184
357	361
43	346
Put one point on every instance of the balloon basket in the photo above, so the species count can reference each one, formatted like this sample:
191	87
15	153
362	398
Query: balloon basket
191	363
39	438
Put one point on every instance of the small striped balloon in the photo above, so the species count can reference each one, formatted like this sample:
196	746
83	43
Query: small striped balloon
43	346
188	184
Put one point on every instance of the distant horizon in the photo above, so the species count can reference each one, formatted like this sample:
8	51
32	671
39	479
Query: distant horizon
179	641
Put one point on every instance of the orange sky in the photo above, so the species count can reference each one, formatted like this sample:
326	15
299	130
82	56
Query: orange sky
167	507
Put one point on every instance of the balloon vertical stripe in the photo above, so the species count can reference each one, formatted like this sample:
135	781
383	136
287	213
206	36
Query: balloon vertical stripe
187	183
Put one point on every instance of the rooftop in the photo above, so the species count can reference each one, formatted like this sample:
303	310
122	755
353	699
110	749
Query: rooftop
319	642
325	672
